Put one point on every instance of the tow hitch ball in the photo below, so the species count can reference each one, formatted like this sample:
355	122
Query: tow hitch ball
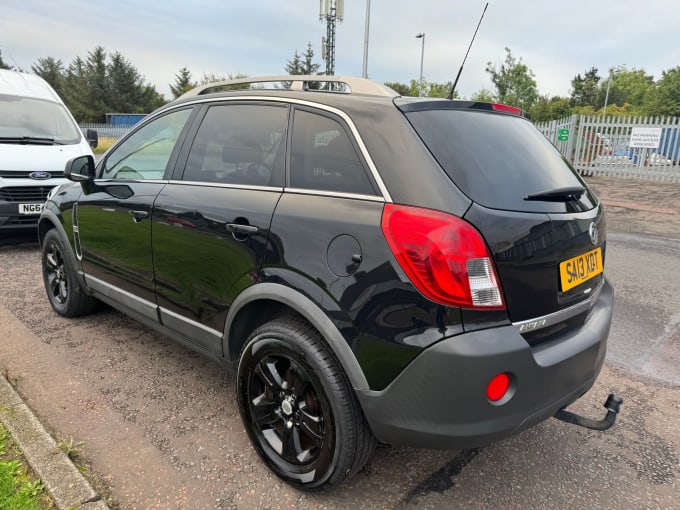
613	404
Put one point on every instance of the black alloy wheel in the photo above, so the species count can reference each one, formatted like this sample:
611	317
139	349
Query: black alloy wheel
299	412
61	284
56	279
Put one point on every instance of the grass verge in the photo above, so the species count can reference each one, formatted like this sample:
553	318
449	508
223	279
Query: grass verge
18	489
103	145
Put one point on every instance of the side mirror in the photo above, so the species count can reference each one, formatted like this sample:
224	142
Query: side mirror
92	138
80	169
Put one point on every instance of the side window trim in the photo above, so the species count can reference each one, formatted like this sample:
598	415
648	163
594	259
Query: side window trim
172	160
188	141
349	133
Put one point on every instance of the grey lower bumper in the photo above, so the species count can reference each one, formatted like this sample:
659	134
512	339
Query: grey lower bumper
439	400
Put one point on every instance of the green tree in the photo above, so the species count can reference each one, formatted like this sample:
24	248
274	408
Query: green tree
303	64
98	91
2	63
627	86
52	71
214	78
550	108
664	97
100	84
400	88
308	65
483	95
585	89
182	83
75	90
441	90
127	89
514	82
430	89
295	66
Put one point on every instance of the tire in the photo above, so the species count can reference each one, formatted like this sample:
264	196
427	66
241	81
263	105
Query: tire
64	291
298	408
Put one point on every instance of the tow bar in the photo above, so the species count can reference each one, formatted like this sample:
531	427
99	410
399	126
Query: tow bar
613	404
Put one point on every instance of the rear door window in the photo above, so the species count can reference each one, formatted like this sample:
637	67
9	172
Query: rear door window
324	158
496	160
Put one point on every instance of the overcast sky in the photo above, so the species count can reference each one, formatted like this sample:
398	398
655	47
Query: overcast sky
557	39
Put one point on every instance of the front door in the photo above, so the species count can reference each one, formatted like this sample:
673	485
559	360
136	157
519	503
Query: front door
113	216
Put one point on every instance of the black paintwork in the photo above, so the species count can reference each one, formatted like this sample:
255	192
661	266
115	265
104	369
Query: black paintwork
527	249
200	264
386	321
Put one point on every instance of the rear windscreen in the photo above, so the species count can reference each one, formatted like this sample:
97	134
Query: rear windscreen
497	160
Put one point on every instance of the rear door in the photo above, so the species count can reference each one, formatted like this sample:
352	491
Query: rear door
544	227
211	222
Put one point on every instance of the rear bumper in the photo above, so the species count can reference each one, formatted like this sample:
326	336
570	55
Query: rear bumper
439	400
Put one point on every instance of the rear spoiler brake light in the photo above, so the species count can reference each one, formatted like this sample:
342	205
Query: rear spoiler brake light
507	109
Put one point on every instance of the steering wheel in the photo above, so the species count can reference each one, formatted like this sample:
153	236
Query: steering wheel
128	173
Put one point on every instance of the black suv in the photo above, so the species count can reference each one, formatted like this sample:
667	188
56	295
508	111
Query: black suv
420	272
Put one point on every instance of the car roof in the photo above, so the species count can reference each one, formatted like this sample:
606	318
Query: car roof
336	91
15	83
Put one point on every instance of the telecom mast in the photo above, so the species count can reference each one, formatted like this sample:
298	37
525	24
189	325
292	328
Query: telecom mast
331	11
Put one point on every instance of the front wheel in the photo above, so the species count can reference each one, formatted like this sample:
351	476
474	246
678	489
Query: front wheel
298	408
61	284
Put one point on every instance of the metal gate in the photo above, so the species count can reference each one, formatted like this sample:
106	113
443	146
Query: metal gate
610	147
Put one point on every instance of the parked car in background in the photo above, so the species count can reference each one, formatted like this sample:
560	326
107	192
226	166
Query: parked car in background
414	271
38	136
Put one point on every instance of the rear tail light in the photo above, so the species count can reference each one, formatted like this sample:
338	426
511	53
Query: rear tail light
444	257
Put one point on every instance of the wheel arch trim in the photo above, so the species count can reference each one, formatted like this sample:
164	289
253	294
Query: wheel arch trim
311	312
49	216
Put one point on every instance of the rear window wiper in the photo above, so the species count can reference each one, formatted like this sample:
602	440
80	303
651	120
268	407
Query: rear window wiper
565	194
26	140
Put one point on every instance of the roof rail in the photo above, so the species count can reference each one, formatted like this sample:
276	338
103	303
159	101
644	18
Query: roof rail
350	85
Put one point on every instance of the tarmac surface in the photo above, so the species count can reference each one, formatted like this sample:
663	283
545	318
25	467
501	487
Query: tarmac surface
633	207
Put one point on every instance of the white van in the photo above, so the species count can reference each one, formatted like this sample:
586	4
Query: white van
38	135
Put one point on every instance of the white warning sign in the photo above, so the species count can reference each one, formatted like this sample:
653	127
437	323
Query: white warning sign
645	137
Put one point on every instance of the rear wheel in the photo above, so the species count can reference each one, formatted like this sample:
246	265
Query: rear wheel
61	284
298	408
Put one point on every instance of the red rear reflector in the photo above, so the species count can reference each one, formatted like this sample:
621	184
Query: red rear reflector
507	109
498	387
444	257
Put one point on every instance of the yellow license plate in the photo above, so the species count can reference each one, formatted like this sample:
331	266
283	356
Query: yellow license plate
579	269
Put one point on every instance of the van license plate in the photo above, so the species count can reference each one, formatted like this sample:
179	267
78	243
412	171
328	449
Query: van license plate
31	209
579	269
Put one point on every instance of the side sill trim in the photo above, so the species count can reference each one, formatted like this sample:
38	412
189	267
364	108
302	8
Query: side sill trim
125	298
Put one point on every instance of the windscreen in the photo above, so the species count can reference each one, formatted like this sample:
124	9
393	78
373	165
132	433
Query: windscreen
498	160
25	117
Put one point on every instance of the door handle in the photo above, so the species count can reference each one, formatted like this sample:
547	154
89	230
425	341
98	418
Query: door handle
138	216
239	228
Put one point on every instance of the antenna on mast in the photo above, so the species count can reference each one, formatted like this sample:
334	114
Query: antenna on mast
453	88
331	11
